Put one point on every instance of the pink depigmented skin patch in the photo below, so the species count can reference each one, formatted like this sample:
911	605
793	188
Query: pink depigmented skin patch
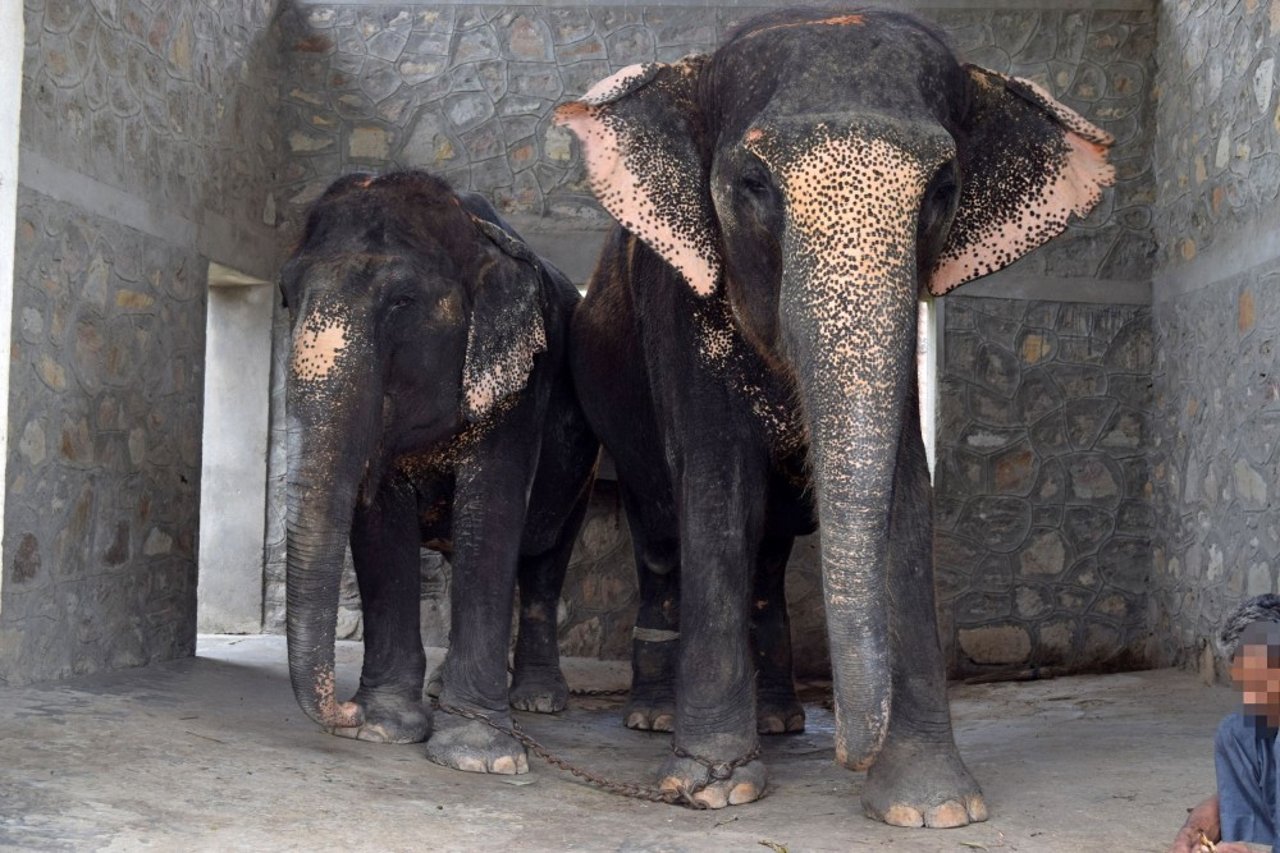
616	84
851	223
633	180
316	348
1072	186
1074	190
333	713
837	21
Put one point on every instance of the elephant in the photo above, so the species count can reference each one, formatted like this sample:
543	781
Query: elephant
429	404
746	354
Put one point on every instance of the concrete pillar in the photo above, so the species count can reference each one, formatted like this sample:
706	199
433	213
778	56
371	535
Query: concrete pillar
11	49
233	484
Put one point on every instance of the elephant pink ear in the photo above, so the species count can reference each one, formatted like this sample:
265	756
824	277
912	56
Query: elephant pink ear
640	135
1027	164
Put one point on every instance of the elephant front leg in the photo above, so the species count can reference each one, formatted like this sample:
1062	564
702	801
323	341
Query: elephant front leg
384	548
489	509
716	749
918	779
778	709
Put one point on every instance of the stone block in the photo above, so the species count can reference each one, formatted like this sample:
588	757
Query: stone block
1044	556
996	644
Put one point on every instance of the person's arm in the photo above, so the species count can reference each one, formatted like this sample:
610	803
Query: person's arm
1203	818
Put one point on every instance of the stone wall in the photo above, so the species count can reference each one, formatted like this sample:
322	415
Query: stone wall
1043	506
1216	320
467	91
147	148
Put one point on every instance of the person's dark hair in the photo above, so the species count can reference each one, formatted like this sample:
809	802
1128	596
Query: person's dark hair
1257	619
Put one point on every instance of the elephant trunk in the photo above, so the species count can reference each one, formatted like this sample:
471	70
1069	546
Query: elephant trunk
854	402
848	308
334	414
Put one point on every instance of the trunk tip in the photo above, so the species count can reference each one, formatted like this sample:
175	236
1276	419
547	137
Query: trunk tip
858	749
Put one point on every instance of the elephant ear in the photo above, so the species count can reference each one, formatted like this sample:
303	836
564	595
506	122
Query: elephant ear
641	133
506	329
1028	163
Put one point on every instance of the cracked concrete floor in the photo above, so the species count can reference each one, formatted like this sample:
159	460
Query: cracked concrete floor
213	754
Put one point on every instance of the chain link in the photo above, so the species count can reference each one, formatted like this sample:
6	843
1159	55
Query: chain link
716	771
599	691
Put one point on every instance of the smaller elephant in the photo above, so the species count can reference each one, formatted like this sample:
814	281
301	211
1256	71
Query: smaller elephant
429	404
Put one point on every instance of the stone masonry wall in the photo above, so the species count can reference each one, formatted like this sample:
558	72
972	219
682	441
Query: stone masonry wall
146	138
1216	459
1043	505
467	91
1216	318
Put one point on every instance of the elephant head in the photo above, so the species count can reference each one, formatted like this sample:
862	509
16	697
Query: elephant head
817	173
414	317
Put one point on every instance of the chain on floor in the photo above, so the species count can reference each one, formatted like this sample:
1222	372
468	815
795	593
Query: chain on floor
716	771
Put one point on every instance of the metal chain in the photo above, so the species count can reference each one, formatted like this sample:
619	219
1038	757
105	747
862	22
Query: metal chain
599	691
716	771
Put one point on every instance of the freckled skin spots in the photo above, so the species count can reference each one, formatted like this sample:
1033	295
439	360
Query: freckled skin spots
791	195
428	363
315	349
641	177
1030	178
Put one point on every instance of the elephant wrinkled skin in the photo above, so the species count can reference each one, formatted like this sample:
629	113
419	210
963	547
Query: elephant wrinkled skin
746	354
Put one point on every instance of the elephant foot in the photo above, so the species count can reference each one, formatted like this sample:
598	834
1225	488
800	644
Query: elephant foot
472	746
650	708
779	714
386	719
744	784
922	785
541	689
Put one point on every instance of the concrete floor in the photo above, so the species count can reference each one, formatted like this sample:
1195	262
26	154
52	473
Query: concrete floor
213	754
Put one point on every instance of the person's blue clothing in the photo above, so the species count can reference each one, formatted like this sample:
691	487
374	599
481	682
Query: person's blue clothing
1245	757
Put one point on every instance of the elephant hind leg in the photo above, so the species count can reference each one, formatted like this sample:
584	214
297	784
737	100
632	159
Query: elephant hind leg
918	779
655	644
778	710
537	683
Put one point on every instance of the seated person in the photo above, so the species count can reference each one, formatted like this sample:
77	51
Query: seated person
1245	751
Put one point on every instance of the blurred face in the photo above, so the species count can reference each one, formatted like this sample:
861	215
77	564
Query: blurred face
1256	668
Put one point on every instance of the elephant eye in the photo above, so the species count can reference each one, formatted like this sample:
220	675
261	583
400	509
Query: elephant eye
755	184
402	301
944	188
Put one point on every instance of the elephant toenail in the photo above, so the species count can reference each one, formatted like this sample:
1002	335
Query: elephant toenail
770	726
977	808
664	723
470	764
372	734
900	815
712	798
946	816
743	793
506	765
637	720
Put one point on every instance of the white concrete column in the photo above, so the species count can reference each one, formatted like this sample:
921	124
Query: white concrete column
233	480
11	49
